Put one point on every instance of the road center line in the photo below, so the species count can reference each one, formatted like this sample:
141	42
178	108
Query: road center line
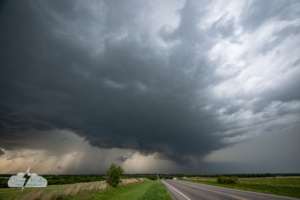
177	190
214	191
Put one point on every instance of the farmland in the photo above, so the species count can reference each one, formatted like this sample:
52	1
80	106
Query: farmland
129	189
286	186
141	186
71	179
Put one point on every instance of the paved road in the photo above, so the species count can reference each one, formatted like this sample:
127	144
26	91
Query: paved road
183	190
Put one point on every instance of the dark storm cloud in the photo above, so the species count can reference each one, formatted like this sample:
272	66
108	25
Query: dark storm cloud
15	122
99	70
127	100
123	158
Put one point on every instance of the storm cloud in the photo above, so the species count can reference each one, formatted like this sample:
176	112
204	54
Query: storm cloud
174	80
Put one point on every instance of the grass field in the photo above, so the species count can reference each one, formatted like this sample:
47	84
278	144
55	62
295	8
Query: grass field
151	190
94	190
280	186
72	179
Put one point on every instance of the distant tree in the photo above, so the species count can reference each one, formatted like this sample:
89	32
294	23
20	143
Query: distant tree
113	175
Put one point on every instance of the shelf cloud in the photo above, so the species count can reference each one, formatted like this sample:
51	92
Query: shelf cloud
171	82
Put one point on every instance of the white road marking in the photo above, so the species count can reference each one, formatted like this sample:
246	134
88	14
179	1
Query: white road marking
177	190
250	192
236	197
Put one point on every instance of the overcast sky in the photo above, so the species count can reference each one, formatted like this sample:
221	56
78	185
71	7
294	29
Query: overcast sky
154	86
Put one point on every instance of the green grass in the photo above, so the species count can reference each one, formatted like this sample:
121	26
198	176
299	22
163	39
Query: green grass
72	179
16	193
148	190
279	186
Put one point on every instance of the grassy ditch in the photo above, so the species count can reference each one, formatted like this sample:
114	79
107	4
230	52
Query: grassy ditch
279	186
151	190
94	190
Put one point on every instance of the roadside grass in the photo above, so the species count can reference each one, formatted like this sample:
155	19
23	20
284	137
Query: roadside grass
148	190
45	193
157	191
279	186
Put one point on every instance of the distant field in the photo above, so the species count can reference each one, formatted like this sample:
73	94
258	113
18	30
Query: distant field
71	179
93	190
59	179
286	186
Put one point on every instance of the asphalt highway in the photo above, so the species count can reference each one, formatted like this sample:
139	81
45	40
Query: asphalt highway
183	190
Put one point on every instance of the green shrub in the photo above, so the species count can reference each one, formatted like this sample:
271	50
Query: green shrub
228	180
113	175
153	178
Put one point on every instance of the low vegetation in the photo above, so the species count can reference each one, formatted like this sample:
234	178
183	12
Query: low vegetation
151	190
51	192
139	186
113	188
286	186
227	180
128	189
72	179
59	179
